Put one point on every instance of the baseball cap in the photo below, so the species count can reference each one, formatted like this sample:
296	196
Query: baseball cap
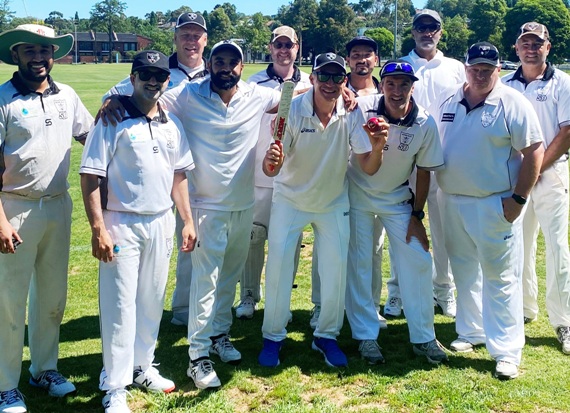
148	59
535	28
191	18
226	44
33	34
285	31
427	12
362	40
328	59
398	68
482	52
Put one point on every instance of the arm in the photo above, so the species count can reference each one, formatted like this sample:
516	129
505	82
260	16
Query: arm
274	157
371	161
416	227
182	202
7	232
101	242
112	111
558	147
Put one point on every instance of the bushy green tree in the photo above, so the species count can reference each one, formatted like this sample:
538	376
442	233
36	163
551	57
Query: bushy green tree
384	38
109	16
255	33
6	15
302	15
487	21
219	26
455	39
337	25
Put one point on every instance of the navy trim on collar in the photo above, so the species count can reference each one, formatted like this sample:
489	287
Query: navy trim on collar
24	91
406	121
134	112
546	76
374	80
270	71
173	64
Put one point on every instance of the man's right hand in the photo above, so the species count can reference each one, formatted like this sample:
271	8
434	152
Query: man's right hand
7	235
102	245
112	111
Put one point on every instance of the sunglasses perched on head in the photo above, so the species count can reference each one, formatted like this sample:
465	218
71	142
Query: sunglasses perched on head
324	77
279	45
146	75
397	67
422	28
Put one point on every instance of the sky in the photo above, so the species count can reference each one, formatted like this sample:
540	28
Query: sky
42	8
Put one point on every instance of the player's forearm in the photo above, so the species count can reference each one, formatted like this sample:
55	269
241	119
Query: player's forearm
181	197
558	147
422	189
92	201
530	169
370	162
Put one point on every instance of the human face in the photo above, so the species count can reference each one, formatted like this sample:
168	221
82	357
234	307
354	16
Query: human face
225	69
34	61
152	88
482	77
532	50
362	60
397	92
426	42
190	41
283	56
328	90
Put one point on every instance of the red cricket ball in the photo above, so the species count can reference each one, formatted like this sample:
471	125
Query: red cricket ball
373	124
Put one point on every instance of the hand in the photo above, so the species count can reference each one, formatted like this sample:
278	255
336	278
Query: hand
102	246
7	233
349	98
511	209
377	131
112	111
416	229
188	238
273	159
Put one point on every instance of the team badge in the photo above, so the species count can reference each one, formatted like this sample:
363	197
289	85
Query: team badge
487	119
61	106
152	57
192	16
331	56
405	140
541	95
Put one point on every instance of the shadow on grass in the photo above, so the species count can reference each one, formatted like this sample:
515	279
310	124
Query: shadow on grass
82	328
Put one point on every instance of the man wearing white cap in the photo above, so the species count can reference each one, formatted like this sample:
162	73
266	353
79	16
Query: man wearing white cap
492	146
38	117
548	90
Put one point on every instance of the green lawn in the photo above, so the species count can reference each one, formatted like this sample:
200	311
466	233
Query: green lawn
302	383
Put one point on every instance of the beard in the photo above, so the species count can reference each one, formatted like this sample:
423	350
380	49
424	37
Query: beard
30	75
224	84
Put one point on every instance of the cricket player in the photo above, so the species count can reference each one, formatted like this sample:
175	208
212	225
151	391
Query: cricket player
38	118
548	90
143	162
492	147
311	188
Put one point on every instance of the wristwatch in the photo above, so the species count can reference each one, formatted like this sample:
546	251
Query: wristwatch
519	199
419	214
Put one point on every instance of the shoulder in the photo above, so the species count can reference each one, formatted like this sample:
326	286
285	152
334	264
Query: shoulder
257	77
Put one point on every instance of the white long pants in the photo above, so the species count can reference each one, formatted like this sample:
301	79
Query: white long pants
217	263
548	207
131	292
183	273
39	267
485	252
331	241
411	261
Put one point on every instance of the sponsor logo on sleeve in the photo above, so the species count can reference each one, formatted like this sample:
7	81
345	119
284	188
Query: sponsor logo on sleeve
448	117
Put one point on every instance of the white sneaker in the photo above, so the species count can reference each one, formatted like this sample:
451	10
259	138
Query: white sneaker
383	321
12	401
224	348
506	370
370	351
315	314
393	307
203	374
448	307
247	307
55	384
115	401
460	345
151	380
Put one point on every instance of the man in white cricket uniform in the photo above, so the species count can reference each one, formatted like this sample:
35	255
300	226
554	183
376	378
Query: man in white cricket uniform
283	47
142	161
311	188
435	72
413	140
223	127
492	148
548	90
186	64
38	117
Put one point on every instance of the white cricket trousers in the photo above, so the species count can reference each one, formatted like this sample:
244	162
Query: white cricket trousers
183	273
217	263
485	252
547	206
411	262
39	267
131	292
332	231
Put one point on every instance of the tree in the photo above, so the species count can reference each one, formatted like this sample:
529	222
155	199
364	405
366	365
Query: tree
219	26
108	15
6	15
451	8
302	16
384	38
337	25
255	33
487	21
455	39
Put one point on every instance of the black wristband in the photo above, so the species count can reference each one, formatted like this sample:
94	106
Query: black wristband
419	214
519	199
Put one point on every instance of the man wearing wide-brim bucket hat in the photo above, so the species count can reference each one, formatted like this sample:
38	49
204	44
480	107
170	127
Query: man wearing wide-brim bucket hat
37	119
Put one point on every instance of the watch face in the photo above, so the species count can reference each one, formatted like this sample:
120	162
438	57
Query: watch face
419	214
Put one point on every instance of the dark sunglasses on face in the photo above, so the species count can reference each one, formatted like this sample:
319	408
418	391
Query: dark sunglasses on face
279	45
422	28
324	77
146	75
397	66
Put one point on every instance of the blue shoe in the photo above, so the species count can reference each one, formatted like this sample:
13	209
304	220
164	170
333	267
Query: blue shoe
269	355
334	356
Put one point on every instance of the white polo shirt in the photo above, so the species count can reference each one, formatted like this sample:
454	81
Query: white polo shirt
313	176
267	78
223	140
434	76
549	96
481	148
138	157
35	137
413	142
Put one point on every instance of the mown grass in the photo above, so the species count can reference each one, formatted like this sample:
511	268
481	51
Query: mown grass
302	383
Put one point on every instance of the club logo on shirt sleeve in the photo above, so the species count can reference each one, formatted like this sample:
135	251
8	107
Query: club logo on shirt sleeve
448	117
405	140
61	106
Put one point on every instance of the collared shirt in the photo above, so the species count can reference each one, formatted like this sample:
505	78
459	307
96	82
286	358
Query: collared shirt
481	146
35	137
374	80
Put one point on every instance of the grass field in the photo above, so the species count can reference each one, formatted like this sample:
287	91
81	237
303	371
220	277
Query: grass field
302	383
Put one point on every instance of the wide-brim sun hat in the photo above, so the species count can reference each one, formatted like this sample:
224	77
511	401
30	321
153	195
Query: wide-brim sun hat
33	34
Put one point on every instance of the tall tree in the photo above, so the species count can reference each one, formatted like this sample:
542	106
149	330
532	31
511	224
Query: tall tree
455	39
108	15
487	21
255	33
6	14
56	20
384	38
337	25
302	15
219	26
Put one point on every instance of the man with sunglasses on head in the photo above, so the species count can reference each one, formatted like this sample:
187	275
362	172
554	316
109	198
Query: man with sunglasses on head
435	72
548	90
143	162
493	151
413	141
283	48
311	187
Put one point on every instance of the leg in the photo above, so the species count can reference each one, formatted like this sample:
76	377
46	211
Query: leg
529	280
377	261
183	280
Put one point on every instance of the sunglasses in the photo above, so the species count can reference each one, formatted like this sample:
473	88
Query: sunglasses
397	67
279	45
324	77
146	75
422	28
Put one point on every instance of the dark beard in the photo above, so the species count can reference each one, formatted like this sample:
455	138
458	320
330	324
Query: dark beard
28	74
223	83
